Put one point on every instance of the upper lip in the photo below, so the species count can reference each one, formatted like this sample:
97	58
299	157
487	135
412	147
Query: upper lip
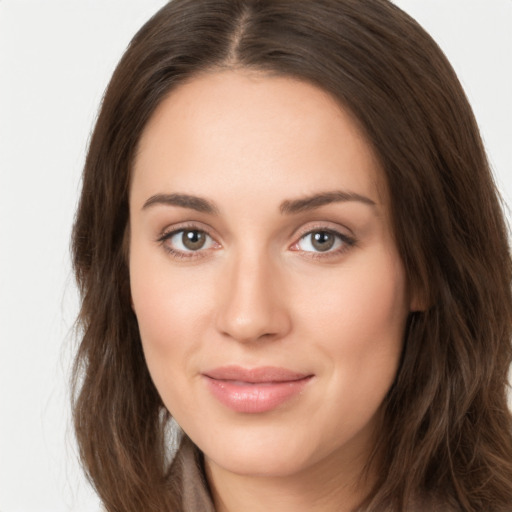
260	374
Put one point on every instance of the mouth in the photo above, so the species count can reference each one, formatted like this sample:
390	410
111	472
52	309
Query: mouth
255	390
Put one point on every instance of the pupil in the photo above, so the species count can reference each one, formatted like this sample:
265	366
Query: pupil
193	240
323	240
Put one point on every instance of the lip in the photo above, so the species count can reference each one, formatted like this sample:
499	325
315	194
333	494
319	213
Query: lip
254	390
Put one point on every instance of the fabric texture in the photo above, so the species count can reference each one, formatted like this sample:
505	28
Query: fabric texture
188	469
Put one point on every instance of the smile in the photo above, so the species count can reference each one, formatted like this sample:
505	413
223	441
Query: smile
254	390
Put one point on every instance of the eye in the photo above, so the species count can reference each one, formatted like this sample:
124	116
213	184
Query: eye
185	242
191	240
323	241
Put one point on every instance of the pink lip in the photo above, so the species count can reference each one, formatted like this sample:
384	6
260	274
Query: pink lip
254	390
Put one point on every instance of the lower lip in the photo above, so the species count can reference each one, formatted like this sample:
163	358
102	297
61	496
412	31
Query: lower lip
255	397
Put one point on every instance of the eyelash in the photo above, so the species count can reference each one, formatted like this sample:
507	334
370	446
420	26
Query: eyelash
346	241
177	254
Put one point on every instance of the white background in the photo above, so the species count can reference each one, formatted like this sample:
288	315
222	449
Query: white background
56	58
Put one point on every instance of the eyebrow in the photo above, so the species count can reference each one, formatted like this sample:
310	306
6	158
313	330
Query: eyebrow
184	200
317	200
288	207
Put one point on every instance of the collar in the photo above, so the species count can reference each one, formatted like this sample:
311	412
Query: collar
188	469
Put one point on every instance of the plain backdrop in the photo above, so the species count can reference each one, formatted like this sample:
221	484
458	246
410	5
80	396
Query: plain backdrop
56	57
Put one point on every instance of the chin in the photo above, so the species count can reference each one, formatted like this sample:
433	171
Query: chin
261	463
265	454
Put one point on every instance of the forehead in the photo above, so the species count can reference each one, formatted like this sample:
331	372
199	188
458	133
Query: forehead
241	131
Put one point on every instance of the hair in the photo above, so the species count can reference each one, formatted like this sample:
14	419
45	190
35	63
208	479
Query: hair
447	429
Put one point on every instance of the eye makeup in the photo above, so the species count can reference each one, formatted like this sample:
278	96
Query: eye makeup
191	242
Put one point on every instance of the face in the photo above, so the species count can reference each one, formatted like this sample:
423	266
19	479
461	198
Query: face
270	297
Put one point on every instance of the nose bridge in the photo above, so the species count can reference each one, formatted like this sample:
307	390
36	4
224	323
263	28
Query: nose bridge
252	306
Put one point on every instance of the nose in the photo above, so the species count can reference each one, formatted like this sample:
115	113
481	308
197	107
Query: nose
252	305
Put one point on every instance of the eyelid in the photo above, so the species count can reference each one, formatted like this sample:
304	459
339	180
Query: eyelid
184	226
170	231
323	226
348	240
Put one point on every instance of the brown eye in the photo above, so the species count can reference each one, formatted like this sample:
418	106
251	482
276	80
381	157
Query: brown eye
193	239
187	242
322	240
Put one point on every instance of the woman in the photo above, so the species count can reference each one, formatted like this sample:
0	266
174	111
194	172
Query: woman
289	244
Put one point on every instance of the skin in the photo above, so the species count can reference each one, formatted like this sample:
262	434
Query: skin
259	293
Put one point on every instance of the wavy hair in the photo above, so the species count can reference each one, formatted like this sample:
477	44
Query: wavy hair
447	429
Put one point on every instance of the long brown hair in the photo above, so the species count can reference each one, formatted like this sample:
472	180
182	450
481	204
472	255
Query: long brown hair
447	430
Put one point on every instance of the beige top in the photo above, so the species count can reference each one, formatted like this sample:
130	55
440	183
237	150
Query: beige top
187	468
188	471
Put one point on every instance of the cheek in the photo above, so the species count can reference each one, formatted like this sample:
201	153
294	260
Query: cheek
166	298
357	318
170	314
354	321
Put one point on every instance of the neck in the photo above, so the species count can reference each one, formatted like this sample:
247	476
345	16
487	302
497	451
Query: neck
323	487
